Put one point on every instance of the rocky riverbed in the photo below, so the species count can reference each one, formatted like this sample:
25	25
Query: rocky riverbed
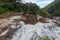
8	26
13	28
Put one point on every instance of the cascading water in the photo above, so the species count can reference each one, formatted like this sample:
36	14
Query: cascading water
34	32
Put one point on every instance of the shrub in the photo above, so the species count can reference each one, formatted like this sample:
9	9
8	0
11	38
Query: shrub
2	10
8	6
46	38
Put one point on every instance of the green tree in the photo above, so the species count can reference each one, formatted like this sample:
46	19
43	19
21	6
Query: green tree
43	13
34	8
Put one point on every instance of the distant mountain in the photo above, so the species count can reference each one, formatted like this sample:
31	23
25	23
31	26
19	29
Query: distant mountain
53	8
51	4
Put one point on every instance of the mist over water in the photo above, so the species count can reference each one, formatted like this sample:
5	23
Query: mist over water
34	32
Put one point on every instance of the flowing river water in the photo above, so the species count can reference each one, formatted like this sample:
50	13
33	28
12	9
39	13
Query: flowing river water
34	32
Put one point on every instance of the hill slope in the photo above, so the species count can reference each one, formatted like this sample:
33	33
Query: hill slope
54	8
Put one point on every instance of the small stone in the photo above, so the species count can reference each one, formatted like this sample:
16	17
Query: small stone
1	30
7	39
43	20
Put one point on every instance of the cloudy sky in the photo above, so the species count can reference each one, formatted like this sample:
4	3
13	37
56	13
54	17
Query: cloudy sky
41	3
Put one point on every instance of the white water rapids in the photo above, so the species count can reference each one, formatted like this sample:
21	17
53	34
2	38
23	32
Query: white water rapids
34	32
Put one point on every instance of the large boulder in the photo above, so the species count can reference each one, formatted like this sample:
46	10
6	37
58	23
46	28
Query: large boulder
3	23
31	19
57	22
1	30
8	35
43	20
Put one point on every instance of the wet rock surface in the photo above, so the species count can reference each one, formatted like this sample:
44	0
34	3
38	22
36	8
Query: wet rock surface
8	35
43	20
14	23
33	32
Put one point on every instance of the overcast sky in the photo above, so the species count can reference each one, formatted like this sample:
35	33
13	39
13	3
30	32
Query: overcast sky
41	3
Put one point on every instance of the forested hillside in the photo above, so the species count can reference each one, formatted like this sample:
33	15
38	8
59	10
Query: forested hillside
16	6
54	8
33	8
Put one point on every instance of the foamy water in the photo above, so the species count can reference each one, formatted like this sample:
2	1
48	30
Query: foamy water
33	32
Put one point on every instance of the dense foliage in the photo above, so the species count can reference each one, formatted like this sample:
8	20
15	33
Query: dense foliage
12	5
54	8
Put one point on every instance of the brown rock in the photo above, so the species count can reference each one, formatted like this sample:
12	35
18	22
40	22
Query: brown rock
23	18
31	19
58	23
1	30
43	20
4	38
7	39
4	23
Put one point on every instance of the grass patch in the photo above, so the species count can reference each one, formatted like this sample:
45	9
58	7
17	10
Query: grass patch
46	38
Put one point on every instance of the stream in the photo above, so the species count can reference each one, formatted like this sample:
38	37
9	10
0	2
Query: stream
34	32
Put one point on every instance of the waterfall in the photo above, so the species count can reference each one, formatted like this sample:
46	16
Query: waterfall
34	32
